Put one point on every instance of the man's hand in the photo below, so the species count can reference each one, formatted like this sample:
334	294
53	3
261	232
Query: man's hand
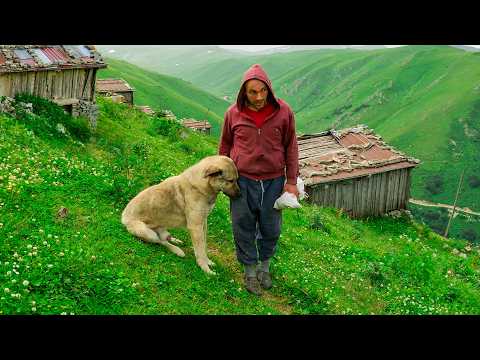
291	189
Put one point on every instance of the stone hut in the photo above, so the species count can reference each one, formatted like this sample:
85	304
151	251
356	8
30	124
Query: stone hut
65	74
196	125
115	87
353	169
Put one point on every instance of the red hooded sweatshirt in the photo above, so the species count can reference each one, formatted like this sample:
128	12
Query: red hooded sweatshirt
266	152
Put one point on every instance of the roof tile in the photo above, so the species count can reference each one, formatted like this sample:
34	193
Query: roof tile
349	153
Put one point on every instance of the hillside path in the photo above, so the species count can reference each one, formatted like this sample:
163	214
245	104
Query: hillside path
427	203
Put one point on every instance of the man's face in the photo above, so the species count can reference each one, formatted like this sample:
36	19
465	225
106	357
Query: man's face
257	93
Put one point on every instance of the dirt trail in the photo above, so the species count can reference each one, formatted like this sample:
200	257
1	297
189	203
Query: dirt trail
427	203
278	302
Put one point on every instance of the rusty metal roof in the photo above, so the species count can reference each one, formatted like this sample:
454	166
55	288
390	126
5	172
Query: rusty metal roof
146	109
21	58
113	85
196	124
346	154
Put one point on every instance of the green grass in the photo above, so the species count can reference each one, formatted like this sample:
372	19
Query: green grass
87	263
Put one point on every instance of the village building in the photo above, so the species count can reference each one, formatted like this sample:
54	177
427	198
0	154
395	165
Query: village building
355	170
116	89
64	74
145	109
196	125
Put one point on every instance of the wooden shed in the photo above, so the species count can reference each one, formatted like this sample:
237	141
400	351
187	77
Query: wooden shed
112	87
353	169
65	74
196	125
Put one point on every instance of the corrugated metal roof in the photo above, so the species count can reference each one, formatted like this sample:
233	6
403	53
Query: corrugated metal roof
42	57
349	153
112	85
24	57
55	55
20	58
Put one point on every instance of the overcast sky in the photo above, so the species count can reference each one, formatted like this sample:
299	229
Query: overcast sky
263	47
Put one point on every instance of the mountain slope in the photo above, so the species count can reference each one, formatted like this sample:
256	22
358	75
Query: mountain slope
166	92
421	99
83	261
168	59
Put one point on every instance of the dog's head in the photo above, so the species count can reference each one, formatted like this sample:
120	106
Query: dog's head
222	175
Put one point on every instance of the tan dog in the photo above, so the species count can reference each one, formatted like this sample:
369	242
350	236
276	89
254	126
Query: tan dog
182	201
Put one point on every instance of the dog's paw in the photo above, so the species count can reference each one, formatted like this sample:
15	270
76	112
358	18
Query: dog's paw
175	240
177	251
205	268
210	263
209	271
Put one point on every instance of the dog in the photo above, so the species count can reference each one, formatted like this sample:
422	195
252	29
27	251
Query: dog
182	201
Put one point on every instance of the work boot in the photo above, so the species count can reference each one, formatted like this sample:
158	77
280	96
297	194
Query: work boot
265	279
252	285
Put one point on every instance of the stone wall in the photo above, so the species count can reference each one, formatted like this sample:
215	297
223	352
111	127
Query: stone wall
87	109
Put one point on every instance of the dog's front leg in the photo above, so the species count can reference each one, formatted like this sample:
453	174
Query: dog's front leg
205	226
197	233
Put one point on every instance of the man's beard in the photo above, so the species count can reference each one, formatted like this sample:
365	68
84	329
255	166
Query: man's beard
257	106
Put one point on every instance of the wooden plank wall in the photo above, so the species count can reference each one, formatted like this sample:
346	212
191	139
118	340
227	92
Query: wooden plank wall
65	84
371	195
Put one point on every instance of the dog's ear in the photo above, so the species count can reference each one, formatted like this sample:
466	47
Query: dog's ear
212	170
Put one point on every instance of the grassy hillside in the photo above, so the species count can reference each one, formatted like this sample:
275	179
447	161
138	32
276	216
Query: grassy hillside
424	100
166	92
87	263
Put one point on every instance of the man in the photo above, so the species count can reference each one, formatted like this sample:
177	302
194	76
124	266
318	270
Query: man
259	136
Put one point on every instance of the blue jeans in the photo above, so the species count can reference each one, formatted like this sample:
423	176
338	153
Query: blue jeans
256	224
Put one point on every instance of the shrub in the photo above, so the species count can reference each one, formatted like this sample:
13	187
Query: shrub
470	234
474	181
166	127
46	116
434	184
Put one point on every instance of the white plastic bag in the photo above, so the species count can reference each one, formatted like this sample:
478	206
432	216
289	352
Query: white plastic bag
301	189
289	200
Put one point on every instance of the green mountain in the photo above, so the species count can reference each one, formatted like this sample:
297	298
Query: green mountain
64	250
423	100
167	92
169	59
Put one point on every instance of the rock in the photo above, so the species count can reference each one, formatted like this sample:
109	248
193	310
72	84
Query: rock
61	129
62	212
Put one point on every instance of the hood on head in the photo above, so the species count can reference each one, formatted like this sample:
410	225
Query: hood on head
255	72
